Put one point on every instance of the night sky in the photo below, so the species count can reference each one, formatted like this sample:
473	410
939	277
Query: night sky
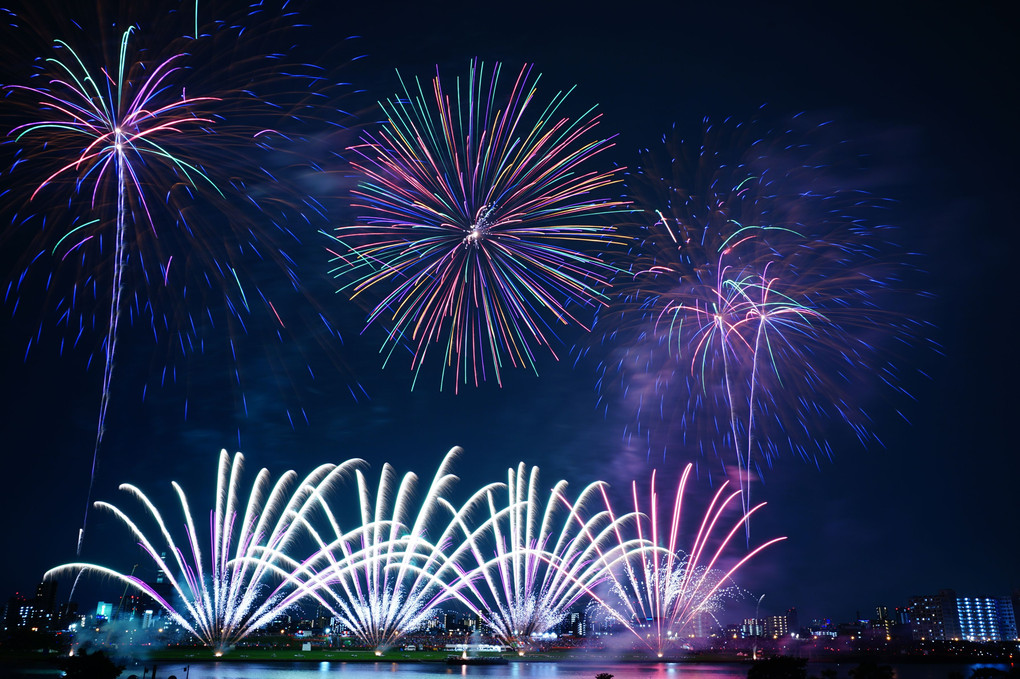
931	95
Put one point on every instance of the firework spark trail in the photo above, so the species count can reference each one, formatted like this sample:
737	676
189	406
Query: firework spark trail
542	560
126	138
227	596
744	316
759	299
518	565
670	584
117	129
382	578
472	223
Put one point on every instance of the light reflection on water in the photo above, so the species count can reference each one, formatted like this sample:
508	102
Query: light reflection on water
521	670
517	670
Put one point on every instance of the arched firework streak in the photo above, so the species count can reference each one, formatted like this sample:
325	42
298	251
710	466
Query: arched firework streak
541	563
518	565
660	581
224	598
383	578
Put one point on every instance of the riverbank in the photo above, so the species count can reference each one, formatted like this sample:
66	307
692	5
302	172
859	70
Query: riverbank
400	656
183	656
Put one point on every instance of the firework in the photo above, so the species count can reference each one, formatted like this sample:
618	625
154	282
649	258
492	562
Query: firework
234	589
126	163
523	567
756	296
518	561
382	578
663	586
479	224
121	129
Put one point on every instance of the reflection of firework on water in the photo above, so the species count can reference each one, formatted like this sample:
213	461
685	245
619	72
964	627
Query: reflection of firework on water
753	306
478	209
234	589
125	162
530	560
663	586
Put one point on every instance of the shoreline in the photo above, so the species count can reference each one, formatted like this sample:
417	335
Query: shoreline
580	658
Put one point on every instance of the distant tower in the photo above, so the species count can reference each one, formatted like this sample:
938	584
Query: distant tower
44	605
792	620
16	605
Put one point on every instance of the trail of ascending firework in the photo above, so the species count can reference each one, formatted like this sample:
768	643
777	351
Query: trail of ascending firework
757	300
663	586
230	595
475	227
117	125
128	165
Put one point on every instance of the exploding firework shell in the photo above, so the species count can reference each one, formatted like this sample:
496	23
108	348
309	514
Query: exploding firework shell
481	224
223	595
758	305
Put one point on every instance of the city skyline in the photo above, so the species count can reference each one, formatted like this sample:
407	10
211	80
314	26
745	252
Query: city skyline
943	617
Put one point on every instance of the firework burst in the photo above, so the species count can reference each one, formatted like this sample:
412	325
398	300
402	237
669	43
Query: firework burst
126	166
755	304
480	223
383	577
223	595
522	567
662	586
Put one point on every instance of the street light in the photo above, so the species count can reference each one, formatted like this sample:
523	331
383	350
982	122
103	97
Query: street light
757	629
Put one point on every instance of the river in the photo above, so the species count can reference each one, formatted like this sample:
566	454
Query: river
515	670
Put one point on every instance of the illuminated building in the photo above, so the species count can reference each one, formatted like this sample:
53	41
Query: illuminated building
751	627
776	626
104	610
946	616
986	618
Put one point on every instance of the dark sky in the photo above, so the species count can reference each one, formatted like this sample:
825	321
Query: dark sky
928	92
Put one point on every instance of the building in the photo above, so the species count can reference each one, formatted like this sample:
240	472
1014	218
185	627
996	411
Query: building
13	618
38	613
986	618
946	617
773	626
104	611
776	626
821	628
926	618
751	627
574	623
